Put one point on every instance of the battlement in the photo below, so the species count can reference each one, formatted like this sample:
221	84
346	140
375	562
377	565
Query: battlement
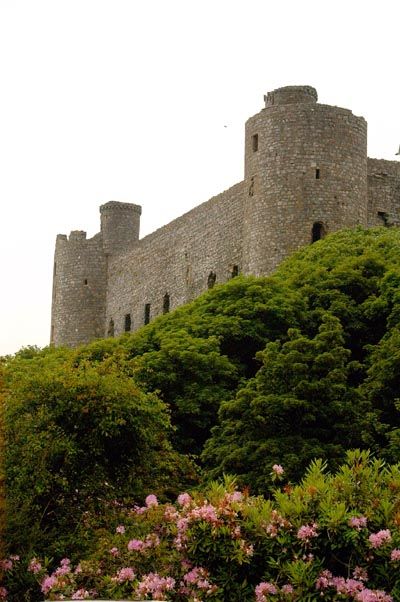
291	94
118	206
77	235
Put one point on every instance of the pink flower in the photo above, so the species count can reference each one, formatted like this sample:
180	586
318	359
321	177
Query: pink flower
358	522
65	562
278	469
64	567
395	555
306	532
369	595
199	578
3	593
48	583
264	588
205	512
324	580
152	541
360	573
114	552
170	513
6	564
151	501
155	585
81	594
135	545
381	537
184	499
120	529
34	566
287	589
235	497
124	574
272	530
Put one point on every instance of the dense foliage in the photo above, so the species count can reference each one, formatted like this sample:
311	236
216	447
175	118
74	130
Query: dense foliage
332	537
331	383
77	437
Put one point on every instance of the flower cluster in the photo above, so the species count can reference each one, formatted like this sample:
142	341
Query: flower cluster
197	580
307	532
155	585
380	538
354	588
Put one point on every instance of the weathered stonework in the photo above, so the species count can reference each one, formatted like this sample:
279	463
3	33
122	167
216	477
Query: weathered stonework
306	174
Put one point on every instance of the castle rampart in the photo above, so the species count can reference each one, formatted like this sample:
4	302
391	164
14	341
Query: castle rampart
306	174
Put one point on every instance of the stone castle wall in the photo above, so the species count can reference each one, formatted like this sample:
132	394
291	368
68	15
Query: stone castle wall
177	260
383	192
306	174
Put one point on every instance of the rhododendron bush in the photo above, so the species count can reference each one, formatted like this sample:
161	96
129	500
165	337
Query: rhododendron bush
332	537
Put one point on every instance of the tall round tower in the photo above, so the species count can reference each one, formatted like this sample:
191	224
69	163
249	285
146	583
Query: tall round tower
79	289
305	175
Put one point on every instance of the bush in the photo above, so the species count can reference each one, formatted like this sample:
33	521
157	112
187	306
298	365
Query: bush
77	438
332	536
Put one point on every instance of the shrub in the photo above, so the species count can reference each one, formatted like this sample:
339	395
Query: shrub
77	438
332	536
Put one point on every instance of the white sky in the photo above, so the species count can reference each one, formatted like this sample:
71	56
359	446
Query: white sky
127	100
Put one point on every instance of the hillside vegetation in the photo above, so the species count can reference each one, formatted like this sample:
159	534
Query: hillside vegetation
304	364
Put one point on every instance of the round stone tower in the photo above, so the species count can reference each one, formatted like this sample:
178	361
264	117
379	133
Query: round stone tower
120	224
79	289
305	175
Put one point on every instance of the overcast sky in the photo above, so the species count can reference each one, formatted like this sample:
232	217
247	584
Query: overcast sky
128	100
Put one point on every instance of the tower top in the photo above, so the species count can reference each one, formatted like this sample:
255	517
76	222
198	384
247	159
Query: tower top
118	206
291	94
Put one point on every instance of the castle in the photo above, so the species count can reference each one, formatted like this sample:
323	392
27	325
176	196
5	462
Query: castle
306	174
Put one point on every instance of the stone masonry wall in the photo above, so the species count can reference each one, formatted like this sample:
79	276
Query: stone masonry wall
177	260
383	192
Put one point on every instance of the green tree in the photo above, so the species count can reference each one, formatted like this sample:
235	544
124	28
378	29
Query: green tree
76	439
298	407
382	388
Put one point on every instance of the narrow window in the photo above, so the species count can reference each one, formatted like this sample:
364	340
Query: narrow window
110	331
212	276
254	142
235	271
251	187
166	303
147	313
128	323
318	231
317	173
85	281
